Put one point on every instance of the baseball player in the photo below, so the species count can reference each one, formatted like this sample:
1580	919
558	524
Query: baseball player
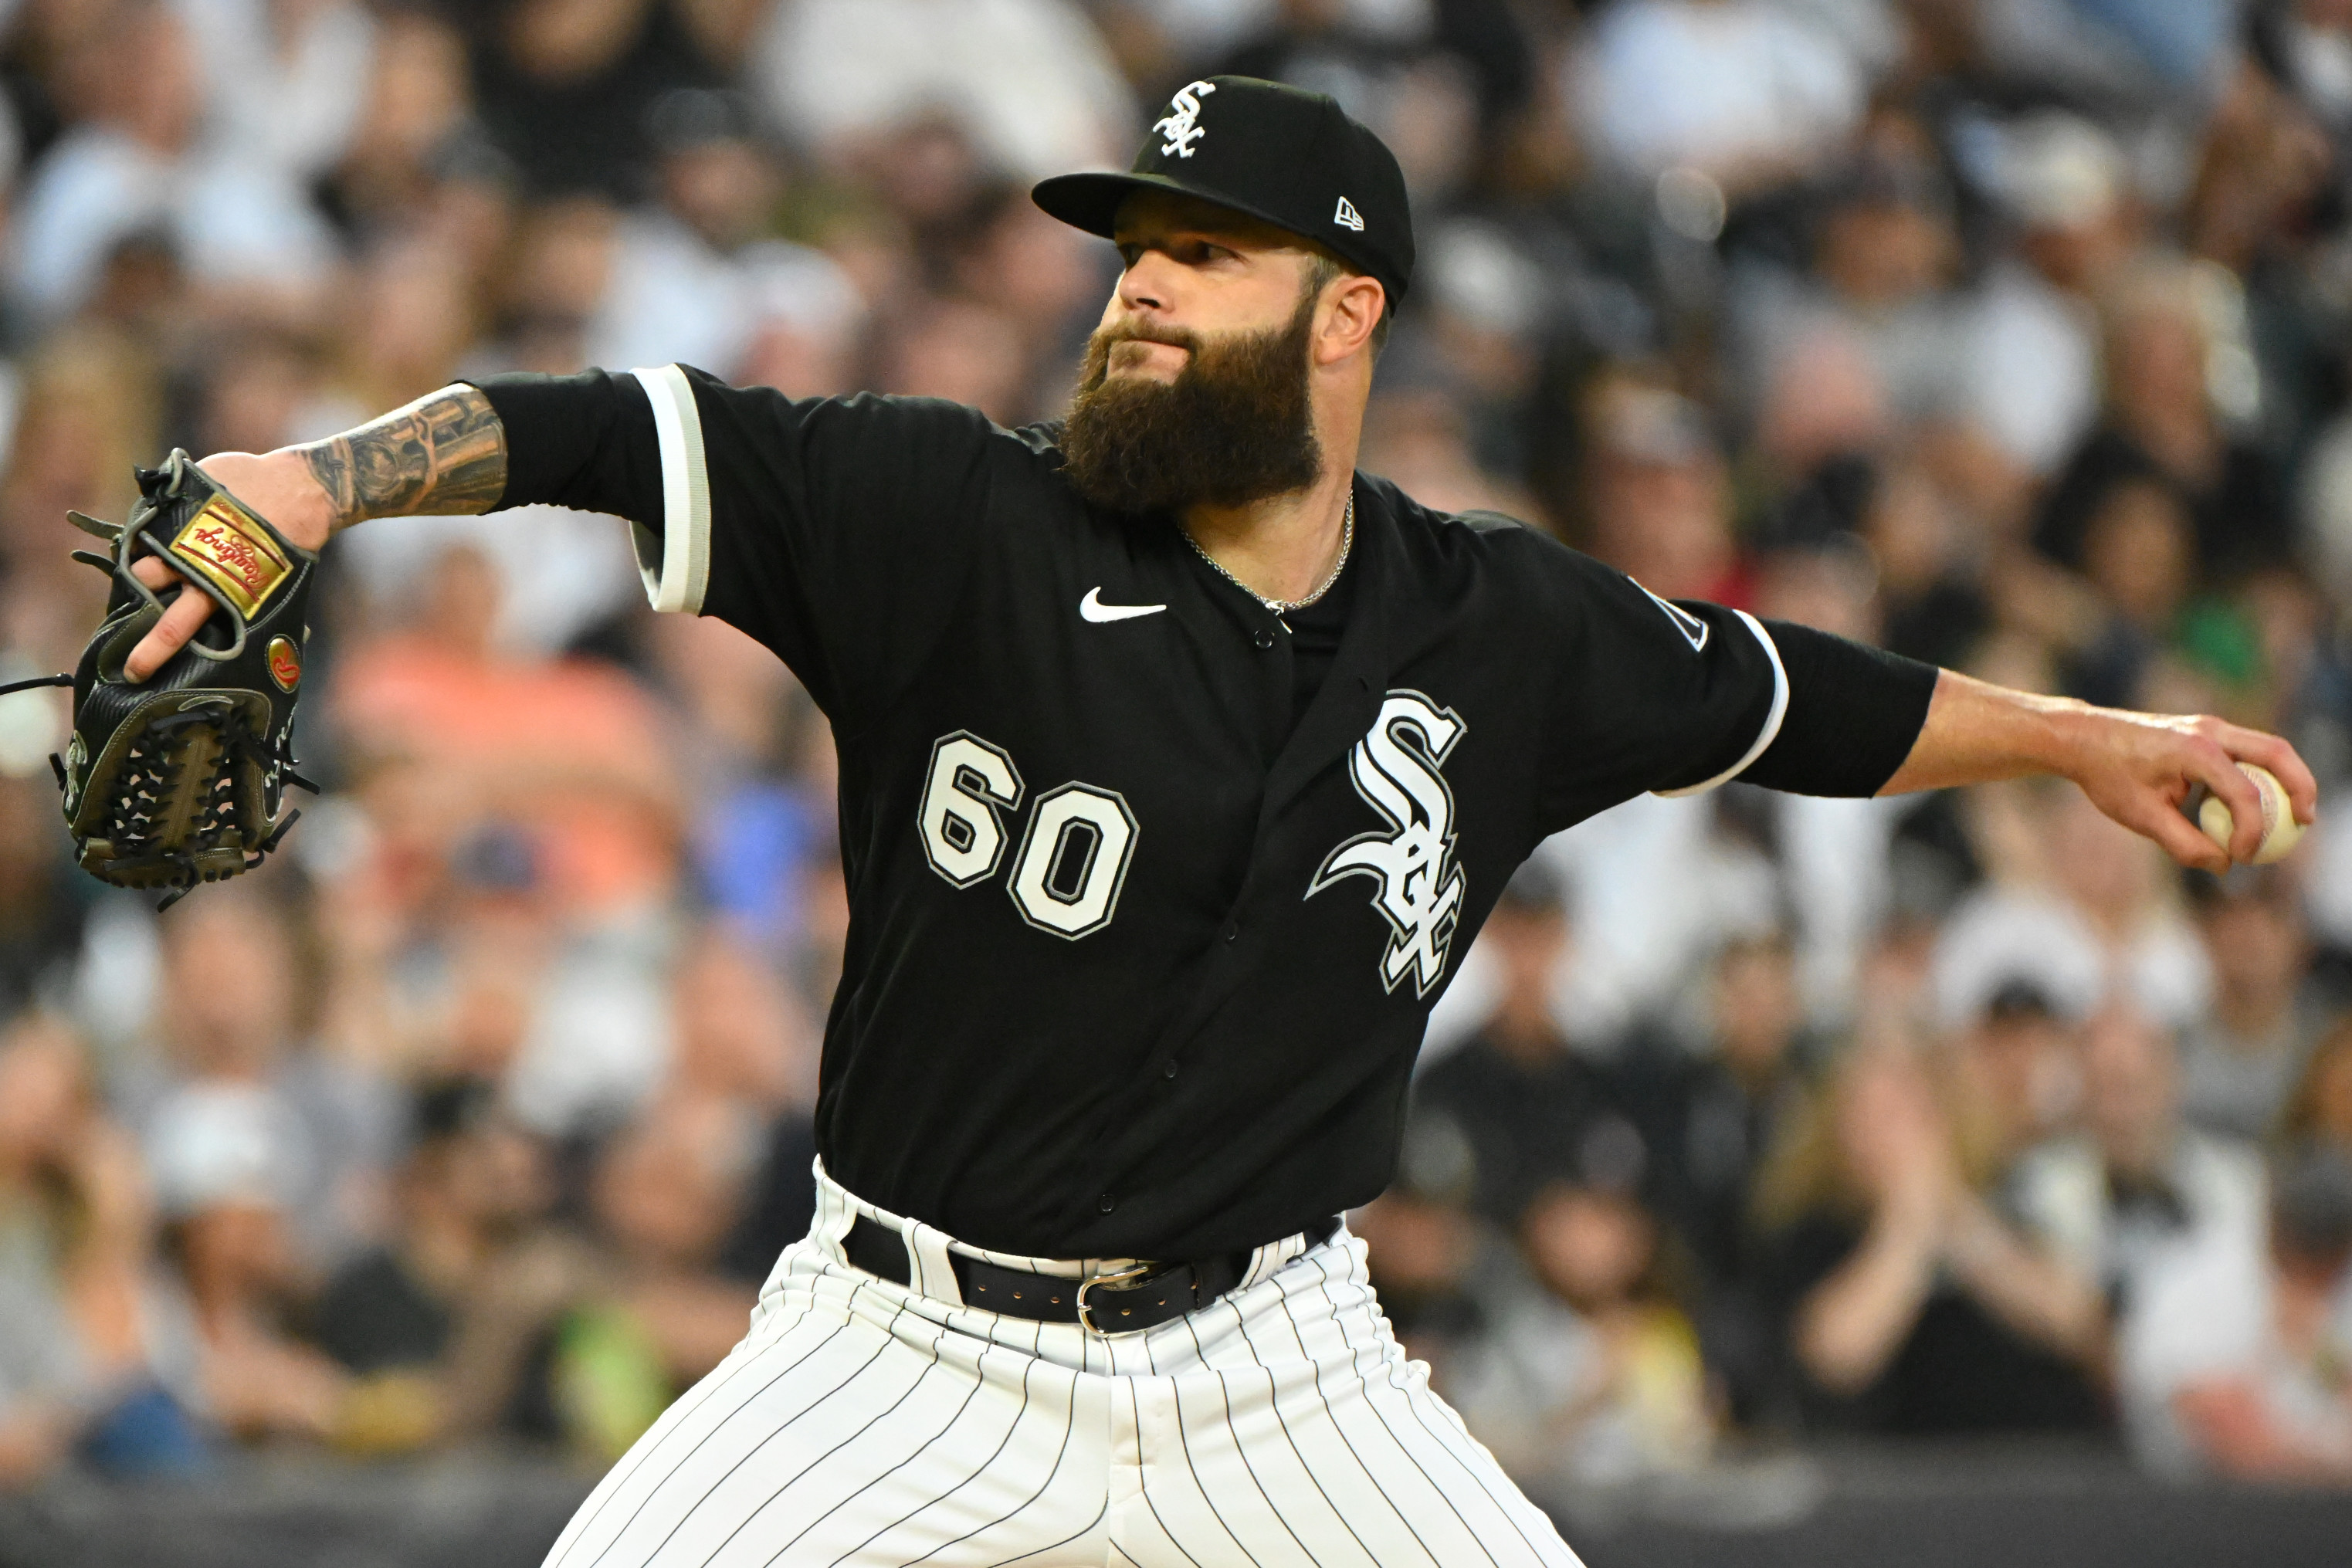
1179	762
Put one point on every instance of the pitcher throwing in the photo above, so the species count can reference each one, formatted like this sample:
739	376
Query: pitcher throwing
1179	764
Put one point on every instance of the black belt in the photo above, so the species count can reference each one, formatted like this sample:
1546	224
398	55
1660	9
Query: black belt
1139	1298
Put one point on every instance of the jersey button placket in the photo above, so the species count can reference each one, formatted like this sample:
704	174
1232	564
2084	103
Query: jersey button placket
1264	639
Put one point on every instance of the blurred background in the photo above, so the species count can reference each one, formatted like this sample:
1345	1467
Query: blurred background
1789	1179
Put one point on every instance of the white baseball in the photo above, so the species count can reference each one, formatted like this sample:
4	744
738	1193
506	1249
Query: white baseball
2280	829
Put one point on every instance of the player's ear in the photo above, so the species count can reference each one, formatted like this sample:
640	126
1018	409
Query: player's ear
1350	315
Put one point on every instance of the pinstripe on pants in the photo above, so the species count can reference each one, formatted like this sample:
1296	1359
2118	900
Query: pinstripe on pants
863	1423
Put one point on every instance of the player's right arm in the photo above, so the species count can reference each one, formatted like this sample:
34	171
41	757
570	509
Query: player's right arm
2140	769
1665	696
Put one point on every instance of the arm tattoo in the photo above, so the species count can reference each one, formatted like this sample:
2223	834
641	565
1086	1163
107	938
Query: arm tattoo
445	453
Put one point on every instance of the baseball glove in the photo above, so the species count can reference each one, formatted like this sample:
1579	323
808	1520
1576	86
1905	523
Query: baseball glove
178	779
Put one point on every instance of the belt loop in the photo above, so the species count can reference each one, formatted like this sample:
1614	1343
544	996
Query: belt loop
1268	1260
934	1273
1263	1261
835	1213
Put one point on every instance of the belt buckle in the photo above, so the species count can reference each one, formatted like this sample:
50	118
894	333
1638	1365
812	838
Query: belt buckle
1115	1277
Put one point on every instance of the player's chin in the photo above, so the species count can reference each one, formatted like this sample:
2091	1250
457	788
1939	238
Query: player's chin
1140	361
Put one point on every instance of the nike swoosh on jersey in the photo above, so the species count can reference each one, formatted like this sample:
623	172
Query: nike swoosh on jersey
1094	609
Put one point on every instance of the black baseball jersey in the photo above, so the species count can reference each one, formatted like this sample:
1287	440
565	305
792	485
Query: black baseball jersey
1140	953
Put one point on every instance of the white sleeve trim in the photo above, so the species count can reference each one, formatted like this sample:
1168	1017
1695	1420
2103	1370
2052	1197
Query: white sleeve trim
677	581
1764	736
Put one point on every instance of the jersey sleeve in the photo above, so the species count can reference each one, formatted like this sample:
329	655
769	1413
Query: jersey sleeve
1651	695
838	531
1854	713
1675	697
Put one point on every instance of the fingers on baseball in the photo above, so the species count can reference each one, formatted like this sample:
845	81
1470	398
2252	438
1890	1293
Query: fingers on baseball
181	618
2285	764
2211	764
2183	840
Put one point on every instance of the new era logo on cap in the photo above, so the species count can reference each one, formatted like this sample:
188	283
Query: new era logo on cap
1346	217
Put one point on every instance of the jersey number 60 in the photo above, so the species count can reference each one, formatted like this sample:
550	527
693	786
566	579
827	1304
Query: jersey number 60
1074	854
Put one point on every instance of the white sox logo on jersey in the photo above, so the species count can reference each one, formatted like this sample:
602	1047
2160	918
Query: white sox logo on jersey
1395	768
1181	127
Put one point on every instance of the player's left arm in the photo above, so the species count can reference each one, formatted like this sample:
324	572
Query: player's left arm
446	452
2138	767
1861	721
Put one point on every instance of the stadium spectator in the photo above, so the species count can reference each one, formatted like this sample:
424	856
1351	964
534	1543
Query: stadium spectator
1740	91
660	1314
747	1061
2031	377
1883	256
2015	1076
565	86
1029	80
2233	1363
1912	1307
1441	1270
441	1327
139	164
566	754
1656	495
1589	1372
1529	1107
227	1158
43	1379
242	1104
91	1359
41	916
1712	1118
2136	1185
2162	428
2240	1059
2084	907
2319	1111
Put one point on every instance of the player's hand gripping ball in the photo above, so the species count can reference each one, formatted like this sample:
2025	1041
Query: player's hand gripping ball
2280	829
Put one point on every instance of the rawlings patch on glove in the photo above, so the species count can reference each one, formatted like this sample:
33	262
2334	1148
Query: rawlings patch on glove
178	779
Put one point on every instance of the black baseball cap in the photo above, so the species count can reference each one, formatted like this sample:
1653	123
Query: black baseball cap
1289	157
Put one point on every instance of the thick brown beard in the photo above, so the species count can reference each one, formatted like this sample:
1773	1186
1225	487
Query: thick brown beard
1235	426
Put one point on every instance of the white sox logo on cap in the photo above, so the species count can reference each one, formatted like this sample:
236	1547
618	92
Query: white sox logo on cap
1182	125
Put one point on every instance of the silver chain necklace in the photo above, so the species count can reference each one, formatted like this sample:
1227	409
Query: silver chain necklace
1285	606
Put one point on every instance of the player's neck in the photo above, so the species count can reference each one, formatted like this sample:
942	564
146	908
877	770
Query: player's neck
1284	546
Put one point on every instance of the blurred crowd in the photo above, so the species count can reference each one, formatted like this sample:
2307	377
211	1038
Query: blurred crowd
2014	335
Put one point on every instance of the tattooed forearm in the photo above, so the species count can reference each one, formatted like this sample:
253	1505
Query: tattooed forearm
445	453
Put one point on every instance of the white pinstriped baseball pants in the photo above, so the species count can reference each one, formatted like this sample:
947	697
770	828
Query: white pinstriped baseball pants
865	1423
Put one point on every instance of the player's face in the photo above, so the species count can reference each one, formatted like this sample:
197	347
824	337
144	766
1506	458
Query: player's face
1196	387
1233	423
1194	272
